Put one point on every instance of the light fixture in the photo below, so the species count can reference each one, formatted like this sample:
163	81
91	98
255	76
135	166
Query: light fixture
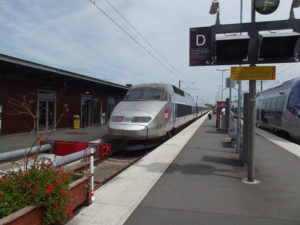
295	4
215	9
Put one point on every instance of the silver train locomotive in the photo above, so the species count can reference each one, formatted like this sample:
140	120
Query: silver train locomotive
152	111
278	109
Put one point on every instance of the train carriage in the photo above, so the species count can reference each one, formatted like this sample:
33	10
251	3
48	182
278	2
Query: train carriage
152	111
278	108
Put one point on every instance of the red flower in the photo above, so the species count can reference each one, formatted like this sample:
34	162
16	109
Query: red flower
26	172
35	188
63	177
49	189
58	181
62	192
4	177
70	211
28	185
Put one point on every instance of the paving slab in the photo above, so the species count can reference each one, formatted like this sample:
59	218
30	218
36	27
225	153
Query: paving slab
204	185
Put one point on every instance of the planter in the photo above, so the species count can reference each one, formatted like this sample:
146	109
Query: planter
33	215
81	192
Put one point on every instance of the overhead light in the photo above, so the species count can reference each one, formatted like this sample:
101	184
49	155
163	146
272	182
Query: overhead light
296	3
214	7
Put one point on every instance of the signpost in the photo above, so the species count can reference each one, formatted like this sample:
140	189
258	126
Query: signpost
200	46
253	73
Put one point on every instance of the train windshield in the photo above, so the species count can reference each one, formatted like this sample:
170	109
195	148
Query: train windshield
145	94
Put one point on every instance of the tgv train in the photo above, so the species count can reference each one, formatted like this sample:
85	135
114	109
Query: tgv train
279	108
151	111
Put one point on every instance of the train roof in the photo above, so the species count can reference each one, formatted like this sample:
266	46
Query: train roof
284	85
169	87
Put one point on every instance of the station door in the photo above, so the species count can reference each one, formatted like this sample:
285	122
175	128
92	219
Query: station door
46	110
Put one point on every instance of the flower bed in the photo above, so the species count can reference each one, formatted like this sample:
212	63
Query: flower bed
44	186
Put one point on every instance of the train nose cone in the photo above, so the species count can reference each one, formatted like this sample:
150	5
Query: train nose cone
128	131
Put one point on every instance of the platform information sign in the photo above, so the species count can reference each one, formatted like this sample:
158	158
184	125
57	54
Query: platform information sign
253	73
200	49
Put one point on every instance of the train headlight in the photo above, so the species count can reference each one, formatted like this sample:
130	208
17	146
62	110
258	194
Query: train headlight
141	119
117	118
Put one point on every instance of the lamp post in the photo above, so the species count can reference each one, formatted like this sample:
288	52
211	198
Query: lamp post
215	9
222	70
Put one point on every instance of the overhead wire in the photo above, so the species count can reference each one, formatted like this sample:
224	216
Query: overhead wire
142	36
133	38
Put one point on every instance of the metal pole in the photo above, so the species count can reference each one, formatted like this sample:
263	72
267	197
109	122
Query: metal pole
222	87
252	96
238	129
229	111
92	172
251	161
222	70
244	152
7	156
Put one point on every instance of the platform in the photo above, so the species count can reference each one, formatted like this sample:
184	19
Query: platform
196	178
24	140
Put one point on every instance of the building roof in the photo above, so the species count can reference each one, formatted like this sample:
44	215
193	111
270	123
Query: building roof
6	61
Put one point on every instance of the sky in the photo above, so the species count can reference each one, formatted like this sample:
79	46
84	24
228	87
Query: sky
77	36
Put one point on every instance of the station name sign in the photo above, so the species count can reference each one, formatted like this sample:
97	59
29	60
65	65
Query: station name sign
253	73
200	46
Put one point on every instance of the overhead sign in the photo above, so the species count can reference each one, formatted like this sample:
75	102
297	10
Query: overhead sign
266	6
200	46
253	73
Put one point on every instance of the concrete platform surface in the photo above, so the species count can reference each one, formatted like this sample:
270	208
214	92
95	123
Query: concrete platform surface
204	186
196	178
23	140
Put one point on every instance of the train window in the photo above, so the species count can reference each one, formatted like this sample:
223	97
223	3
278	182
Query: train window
153	94
274	104
280	103
292	100
133	95
183	110
268	104
264	104
178	91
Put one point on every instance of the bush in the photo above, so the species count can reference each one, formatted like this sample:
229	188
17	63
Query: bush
41	185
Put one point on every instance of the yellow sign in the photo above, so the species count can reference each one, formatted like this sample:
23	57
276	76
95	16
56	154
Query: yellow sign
253	73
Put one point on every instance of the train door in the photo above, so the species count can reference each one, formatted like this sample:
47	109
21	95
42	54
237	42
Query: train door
110	106
96	112
46	108
86	110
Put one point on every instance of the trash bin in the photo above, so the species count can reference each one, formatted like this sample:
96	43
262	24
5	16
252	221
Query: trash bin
76	121
209	116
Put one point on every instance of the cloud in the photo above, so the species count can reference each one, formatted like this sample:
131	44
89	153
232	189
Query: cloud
74	35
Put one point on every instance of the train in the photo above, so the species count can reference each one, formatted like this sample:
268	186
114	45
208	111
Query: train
278	109
152	112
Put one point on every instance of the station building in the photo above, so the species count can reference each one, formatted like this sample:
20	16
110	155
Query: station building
42	98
